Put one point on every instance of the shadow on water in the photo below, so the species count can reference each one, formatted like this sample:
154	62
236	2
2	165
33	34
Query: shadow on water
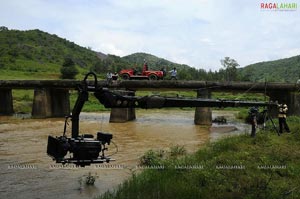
27	172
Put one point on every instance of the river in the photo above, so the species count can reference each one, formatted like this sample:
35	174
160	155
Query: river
27	172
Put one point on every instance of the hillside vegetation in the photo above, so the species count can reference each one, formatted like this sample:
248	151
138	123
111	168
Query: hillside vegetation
282	70
37	53
34	54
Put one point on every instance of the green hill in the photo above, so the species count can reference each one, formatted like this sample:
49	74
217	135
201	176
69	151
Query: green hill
34	54
153	61
37	54
282	70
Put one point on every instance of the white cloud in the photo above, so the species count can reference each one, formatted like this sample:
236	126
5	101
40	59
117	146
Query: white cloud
194	32
292	52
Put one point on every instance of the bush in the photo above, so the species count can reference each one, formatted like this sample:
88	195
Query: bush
68	70
151	158
177	151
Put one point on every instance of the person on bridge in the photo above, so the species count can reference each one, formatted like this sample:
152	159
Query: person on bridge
173	74
109	77
282	109
145	68
164	71
115	76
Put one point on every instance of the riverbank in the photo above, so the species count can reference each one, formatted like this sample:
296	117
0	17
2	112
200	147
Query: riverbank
267	166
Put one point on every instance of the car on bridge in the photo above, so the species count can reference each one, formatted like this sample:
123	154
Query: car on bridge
132	73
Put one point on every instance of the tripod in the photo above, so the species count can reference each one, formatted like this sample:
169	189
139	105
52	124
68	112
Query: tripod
267	116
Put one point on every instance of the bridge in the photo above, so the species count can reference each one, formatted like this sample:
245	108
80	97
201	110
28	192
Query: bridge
51	97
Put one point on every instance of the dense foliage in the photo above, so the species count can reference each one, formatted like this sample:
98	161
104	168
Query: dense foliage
283	70
68	69
36	51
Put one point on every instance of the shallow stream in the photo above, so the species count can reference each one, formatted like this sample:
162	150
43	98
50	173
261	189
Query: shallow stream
27	172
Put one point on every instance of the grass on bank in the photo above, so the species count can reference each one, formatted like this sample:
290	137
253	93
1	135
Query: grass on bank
266	167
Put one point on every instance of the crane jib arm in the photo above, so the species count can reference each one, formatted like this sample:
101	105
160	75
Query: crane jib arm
113	100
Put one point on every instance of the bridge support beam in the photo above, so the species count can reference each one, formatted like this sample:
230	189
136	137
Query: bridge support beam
292	99
60	102
50	103
6	102
203	115
119	115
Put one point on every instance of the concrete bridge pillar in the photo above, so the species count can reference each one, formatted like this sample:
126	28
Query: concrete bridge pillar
292	99
41	106
60	102
119	115
50	103
203	115
6	102
295	103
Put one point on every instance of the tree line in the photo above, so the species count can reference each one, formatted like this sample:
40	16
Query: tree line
114	63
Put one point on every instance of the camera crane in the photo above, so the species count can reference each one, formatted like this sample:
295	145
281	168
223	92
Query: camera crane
86	149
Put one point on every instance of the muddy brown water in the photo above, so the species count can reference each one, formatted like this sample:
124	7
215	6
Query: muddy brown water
27	172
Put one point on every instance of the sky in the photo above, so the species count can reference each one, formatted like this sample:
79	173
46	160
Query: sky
198	33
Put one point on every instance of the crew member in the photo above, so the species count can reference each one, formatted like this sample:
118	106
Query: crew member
164	71
253	113
173	74
145	66
135	71
115	76
108	77
282	109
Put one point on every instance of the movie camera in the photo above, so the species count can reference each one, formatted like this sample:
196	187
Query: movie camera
83	149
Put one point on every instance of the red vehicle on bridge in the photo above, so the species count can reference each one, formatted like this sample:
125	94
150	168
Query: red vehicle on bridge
127	74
